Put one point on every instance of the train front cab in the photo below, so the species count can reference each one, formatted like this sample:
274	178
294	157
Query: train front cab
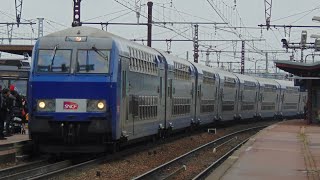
72	95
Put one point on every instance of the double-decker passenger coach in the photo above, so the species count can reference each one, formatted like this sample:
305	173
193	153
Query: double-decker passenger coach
90	90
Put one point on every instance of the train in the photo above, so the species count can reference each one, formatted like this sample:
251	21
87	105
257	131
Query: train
90	90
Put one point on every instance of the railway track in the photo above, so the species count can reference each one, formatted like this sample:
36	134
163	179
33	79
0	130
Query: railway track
32	170
42	169
45	170
198	163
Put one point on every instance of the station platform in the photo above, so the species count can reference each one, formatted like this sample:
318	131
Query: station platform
12	144
14	139
288	150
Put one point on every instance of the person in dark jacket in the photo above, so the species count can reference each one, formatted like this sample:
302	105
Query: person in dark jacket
2	116
8	103
7	100
18	102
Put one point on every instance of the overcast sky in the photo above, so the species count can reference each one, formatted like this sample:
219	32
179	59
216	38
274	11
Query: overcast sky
58	16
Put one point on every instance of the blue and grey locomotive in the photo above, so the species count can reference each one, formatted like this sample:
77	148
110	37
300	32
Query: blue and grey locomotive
89	89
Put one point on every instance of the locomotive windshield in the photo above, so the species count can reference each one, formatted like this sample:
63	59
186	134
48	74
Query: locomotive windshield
57	61
92	61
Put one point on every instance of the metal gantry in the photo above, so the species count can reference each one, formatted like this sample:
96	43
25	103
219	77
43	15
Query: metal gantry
9	30
268	7
150	4
18	4
242	56
196	43
40	27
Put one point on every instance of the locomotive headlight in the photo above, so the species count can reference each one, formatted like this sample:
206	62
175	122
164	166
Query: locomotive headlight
100	105
96	105
42	104
46	105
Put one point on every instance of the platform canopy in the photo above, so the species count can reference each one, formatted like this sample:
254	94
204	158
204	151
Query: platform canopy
299	68
17	49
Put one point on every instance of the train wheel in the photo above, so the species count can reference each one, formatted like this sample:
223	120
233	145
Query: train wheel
35	146
154	138
114	147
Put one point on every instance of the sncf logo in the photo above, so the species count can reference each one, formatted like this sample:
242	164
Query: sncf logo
70	105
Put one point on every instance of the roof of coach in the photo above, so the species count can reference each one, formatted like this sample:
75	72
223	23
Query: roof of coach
243	78
284	84
222	73
83	31
171	59
264	81
122	43
200	68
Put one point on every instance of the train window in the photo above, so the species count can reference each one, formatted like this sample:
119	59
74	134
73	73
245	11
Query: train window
151	67
57	61
139	54
181	71
143	62
134	53
138	65
180	106
93	61
148	66
133	68
160	87
130	63
144	66
141	66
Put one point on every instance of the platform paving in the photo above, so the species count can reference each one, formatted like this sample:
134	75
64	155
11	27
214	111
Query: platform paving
288	150
7	146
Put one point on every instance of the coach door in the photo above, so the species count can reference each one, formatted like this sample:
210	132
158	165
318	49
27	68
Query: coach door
127	102
216	96
162	93
220	96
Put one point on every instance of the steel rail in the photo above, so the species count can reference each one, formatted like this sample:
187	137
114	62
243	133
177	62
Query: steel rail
155	170
20	168
205	172
38	171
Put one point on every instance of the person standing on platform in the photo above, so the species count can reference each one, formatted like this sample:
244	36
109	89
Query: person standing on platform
4	111
2	116
9	102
